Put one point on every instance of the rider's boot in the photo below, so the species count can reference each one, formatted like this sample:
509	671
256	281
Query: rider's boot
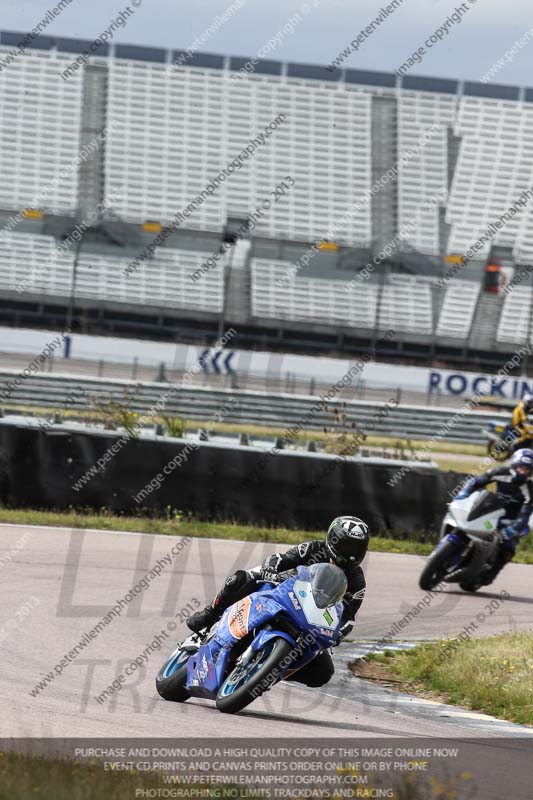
204	619
235	588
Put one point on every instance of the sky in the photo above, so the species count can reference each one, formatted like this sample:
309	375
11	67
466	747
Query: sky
486	31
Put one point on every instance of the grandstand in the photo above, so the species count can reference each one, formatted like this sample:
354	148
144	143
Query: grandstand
132	138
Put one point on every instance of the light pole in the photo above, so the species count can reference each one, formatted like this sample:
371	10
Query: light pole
226	272
379	298
530	323
70	310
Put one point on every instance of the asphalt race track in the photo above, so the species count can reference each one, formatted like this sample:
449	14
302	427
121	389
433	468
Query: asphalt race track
56	584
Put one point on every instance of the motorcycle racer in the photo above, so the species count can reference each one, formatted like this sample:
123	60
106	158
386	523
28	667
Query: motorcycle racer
514	490
345	545
520	422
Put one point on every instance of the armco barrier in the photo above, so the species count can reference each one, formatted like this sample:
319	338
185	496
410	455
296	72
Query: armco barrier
39	469
278	410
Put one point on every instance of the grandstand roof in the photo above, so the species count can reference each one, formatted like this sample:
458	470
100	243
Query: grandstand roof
267	67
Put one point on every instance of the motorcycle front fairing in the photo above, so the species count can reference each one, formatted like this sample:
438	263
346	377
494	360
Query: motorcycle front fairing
320	628
449	533
206	670
472	524
477	515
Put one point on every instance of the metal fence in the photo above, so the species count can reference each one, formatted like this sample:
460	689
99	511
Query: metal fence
285	383
251	407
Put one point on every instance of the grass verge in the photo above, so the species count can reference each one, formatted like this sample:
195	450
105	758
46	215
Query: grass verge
175	526
23	776
493	675
417	543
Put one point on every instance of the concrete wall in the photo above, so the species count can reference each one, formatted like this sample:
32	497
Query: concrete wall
40	469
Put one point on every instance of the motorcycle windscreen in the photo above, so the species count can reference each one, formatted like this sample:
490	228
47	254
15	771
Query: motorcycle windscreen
328	584
487	503
324	618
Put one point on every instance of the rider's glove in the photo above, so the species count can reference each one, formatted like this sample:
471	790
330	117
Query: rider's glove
346	629
467	489
271	576
520	527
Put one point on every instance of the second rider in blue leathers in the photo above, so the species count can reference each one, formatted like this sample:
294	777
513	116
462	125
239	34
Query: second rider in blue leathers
514	490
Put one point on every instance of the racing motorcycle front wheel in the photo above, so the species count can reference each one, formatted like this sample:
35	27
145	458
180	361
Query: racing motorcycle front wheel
249	681
499	450
437	566
171	678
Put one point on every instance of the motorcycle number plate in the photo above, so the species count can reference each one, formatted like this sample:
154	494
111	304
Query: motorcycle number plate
324	617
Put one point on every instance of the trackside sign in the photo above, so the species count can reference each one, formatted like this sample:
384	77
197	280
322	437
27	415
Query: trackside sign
468	383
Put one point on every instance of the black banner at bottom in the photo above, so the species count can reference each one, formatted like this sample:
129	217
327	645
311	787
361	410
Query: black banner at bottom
401	769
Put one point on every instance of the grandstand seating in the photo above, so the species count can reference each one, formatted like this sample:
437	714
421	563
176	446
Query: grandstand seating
185	125
164	281
39	134
178	126
458	309
424	175
310	299
406	305
493	169
516	320
35	264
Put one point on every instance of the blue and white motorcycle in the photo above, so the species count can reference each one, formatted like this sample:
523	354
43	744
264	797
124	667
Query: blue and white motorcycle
470	535
259	641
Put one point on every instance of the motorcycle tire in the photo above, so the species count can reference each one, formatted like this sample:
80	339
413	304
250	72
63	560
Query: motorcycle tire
469	586
172	687
499	451
263	671
435	568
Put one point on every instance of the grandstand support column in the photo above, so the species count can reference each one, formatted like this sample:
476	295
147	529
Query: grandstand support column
91	173
384	156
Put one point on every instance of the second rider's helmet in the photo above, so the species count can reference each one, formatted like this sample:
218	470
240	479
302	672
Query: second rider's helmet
522	462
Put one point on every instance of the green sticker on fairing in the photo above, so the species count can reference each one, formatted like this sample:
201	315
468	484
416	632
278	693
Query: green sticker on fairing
488	525
328	617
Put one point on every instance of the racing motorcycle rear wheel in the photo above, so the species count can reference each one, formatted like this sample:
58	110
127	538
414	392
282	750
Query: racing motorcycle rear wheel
249	681
171	678
469	586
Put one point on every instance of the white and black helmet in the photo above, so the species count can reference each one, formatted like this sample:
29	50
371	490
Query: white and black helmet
527	400
347	540
523	458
